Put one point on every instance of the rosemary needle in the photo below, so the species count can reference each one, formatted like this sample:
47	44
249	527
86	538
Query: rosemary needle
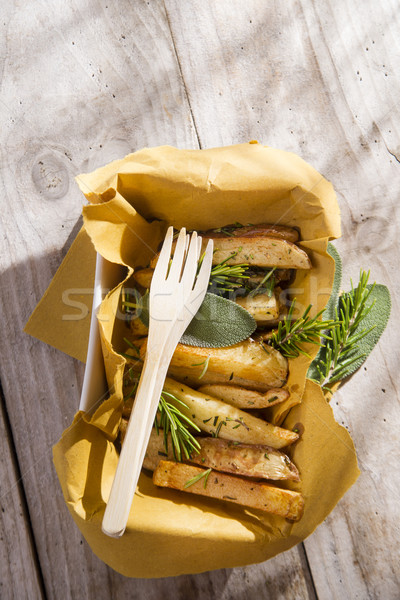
197	478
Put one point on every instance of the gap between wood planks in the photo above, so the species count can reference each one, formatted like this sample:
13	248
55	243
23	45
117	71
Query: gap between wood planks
178	62
21	490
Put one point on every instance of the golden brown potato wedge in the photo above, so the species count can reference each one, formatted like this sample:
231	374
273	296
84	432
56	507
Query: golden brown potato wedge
262	307
244	398
143	277
138	328
245	361
268	498
278	231
258	251
187	376
222	420
248	460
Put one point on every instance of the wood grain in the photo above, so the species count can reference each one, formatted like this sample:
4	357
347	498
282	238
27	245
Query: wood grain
19	573
86	82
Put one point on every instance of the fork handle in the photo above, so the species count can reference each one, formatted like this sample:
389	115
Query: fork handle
134	446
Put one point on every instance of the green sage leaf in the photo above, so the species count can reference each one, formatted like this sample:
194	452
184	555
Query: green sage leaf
217	324
329	312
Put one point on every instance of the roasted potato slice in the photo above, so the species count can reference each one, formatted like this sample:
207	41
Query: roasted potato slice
262	307
246	360
225	421
258	251
250	460
143	277
244	398
277	231
223	455
138	328
268	498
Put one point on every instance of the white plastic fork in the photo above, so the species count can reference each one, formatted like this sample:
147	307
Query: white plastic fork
175	297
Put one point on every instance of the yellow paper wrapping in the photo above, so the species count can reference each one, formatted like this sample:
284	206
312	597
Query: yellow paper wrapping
132	201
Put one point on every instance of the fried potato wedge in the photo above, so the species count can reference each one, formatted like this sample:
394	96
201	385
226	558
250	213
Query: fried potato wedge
267	368
258	251
243	398
277	231
187	376
138	328
225	421
143	277
262	307
248	460
268	498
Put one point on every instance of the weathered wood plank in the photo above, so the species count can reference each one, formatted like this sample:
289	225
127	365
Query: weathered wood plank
19	573
282	578
81	86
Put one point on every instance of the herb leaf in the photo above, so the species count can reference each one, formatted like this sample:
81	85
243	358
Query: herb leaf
219	323
329	312
364	313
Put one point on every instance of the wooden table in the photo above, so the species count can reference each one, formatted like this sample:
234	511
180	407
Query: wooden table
85	82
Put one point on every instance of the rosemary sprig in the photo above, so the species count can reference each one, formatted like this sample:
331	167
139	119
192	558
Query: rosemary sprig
291	335
341	349
228	277
224	277
172	420
197	478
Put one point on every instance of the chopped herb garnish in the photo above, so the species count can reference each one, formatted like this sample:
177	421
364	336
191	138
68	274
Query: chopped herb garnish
273	399
266	455
215	420
219	428
197	478
206	363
